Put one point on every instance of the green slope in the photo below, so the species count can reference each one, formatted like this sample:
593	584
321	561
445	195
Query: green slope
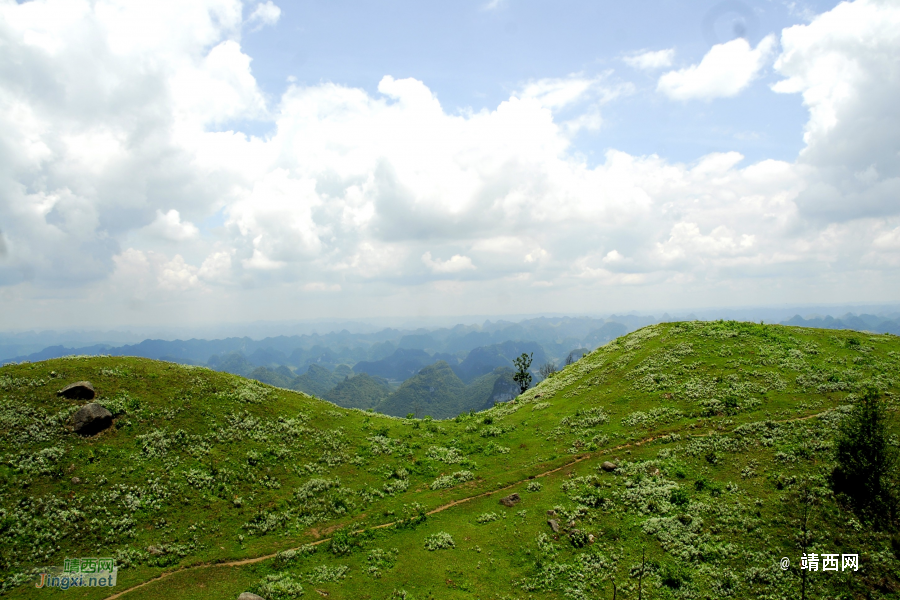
714	428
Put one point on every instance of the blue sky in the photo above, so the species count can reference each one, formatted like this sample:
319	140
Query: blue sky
473	57
217	160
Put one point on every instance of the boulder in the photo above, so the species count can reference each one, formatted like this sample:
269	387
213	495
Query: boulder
608	466
551	512
80	390
554	525
91	418
510	500
76	480
249	596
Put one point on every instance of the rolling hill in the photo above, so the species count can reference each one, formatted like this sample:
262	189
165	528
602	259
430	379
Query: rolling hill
684	460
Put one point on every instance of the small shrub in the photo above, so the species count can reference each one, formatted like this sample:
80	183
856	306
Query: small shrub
679	497
674	576
447	481
578	538
381	560
534	486
280	586
439	541
326	574
342	542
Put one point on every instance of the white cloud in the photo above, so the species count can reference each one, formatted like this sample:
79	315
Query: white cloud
454	264
366	189
217	268
844	63
559	94
651	59
176	274
266	13
169	226
537	255
725	71
318	286
686	241
613	256
494	4
143	274
889	240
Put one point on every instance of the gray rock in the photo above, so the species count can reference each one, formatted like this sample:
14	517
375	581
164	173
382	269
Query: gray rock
510	500
551	512
554	525
91	418
80	390
76	480
249	596
154	550
608	466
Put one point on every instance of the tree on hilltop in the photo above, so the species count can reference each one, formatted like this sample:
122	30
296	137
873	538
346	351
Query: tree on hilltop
522	376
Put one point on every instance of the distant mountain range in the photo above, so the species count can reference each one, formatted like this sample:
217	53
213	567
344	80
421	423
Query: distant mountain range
861	322
440	372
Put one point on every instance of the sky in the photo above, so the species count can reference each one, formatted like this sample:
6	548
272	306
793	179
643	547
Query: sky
187	162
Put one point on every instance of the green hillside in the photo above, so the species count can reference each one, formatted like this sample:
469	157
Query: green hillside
720	436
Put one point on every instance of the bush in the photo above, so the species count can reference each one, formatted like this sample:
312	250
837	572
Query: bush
674	576
866	460
578	538
342	542
447	481
279	587
439	541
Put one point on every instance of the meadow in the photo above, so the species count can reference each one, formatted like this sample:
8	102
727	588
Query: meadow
720	437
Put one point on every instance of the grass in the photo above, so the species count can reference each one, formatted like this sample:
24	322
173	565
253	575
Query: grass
714	428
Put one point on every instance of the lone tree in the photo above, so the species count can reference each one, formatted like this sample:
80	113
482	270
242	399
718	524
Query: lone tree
547	369
522	376
866	459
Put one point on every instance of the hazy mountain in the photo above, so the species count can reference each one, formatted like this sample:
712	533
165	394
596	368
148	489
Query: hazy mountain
279	377
605	333
485	359
862	322
435	391
493	387
400	365
359	391
318	381
234	362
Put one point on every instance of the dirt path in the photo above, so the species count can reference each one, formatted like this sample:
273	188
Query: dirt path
443	507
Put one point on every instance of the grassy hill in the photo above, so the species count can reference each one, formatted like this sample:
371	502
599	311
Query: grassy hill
721	435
